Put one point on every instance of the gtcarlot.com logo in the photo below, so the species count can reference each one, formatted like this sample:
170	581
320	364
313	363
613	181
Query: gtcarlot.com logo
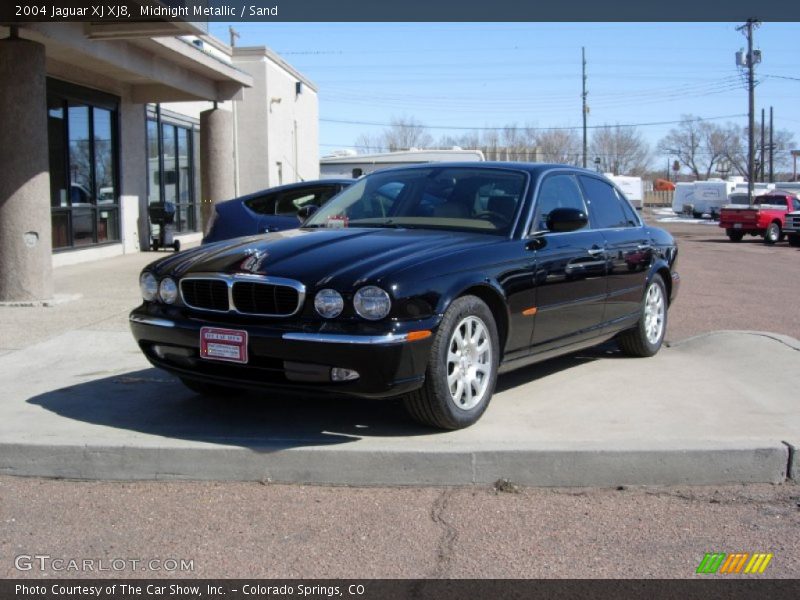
729	564
45	562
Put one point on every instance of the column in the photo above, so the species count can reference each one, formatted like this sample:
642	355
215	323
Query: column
216	160
26	272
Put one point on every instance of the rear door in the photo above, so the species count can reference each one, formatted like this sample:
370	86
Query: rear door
570	270
628	248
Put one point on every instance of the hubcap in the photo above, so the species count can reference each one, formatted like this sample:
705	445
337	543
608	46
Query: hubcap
469	363
654	313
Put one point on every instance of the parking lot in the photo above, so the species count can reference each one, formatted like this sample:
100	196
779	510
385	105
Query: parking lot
271	530
747	286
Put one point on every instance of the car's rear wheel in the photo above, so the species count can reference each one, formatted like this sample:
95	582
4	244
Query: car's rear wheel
462	368
734	236
210	389
646	338
772	234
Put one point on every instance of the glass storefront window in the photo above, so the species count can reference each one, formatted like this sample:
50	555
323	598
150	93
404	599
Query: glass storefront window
171	175
83	178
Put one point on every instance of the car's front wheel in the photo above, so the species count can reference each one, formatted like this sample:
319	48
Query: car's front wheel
462	368
646	338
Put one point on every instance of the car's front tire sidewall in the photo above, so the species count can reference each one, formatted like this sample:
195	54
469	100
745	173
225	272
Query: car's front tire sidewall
434	404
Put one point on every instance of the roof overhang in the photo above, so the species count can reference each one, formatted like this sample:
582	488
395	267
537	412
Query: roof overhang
154	69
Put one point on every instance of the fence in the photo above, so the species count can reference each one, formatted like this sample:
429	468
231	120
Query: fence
657	199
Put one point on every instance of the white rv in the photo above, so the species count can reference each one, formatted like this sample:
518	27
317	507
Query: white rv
356	165
683	197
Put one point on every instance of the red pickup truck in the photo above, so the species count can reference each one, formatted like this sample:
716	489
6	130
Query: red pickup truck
765	217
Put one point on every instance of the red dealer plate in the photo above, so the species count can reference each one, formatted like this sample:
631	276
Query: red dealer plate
229	345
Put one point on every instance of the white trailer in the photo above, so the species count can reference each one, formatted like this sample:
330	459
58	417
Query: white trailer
356	165
683	197
632	187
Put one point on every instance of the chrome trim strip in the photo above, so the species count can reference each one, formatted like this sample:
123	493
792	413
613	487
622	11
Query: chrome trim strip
333	338
230	279
151	321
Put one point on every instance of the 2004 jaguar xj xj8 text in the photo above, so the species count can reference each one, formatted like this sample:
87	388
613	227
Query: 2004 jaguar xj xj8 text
420	282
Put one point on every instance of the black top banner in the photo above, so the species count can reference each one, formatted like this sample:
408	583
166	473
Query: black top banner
17	11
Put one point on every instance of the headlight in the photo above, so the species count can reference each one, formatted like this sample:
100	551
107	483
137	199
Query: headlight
168	290
329	303
372	303
148	286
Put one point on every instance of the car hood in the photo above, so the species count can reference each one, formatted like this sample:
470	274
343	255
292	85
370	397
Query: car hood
342	257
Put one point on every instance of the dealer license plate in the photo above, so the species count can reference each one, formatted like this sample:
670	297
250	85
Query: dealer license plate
737	225
228	345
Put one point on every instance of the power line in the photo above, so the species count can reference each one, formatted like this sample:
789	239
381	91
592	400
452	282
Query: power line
471	128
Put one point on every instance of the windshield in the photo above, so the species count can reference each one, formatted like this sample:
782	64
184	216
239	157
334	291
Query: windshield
460	198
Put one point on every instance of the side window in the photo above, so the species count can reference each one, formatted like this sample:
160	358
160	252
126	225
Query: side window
795	204
556	191
263	205
290	202
630	212
605	208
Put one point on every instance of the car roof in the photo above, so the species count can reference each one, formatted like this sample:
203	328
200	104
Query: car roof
532	168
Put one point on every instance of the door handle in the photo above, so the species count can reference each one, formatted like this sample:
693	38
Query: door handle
595	251
644	247
270	229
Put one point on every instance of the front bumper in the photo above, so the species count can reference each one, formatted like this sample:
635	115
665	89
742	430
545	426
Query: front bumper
290	357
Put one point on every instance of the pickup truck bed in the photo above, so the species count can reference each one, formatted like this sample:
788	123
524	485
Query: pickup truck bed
766	217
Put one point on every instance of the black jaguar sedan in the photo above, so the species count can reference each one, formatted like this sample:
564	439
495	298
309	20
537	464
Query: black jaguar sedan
422	282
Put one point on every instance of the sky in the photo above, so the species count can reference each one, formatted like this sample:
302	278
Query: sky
450	76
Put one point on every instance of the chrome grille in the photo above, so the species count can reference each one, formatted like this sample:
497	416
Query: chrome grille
207	294
243	293
264	298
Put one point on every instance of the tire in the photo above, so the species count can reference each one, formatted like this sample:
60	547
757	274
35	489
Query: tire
697	215
794	240
646	338
734	236
155	245
176	245
210	389
448	400
772	234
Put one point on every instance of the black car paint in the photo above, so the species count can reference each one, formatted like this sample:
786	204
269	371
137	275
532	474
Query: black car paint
585	286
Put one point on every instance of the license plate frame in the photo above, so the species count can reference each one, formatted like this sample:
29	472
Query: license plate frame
225	345
737	225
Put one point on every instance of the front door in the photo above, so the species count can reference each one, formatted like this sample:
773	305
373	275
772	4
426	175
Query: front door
570	270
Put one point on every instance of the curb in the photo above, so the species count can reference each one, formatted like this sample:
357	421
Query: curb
541	467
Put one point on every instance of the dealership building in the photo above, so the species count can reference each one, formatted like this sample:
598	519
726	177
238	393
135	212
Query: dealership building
99	121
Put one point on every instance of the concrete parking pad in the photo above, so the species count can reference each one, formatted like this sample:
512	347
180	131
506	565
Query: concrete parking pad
718	408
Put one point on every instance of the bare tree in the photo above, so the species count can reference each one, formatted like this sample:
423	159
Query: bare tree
621	150
405	133
701	146
559	145
367	142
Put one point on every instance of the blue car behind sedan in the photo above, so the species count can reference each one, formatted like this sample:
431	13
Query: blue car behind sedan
274	209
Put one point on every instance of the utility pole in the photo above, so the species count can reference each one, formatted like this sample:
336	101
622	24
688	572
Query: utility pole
750	61
763	162
234	35
771	149
585	106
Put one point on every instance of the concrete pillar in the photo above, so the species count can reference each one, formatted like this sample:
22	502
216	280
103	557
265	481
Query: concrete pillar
216	160
26	271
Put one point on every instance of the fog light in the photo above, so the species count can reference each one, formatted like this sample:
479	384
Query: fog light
338	374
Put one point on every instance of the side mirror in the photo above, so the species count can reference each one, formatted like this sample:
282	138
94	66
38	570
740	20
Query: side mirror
306	211
566	219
